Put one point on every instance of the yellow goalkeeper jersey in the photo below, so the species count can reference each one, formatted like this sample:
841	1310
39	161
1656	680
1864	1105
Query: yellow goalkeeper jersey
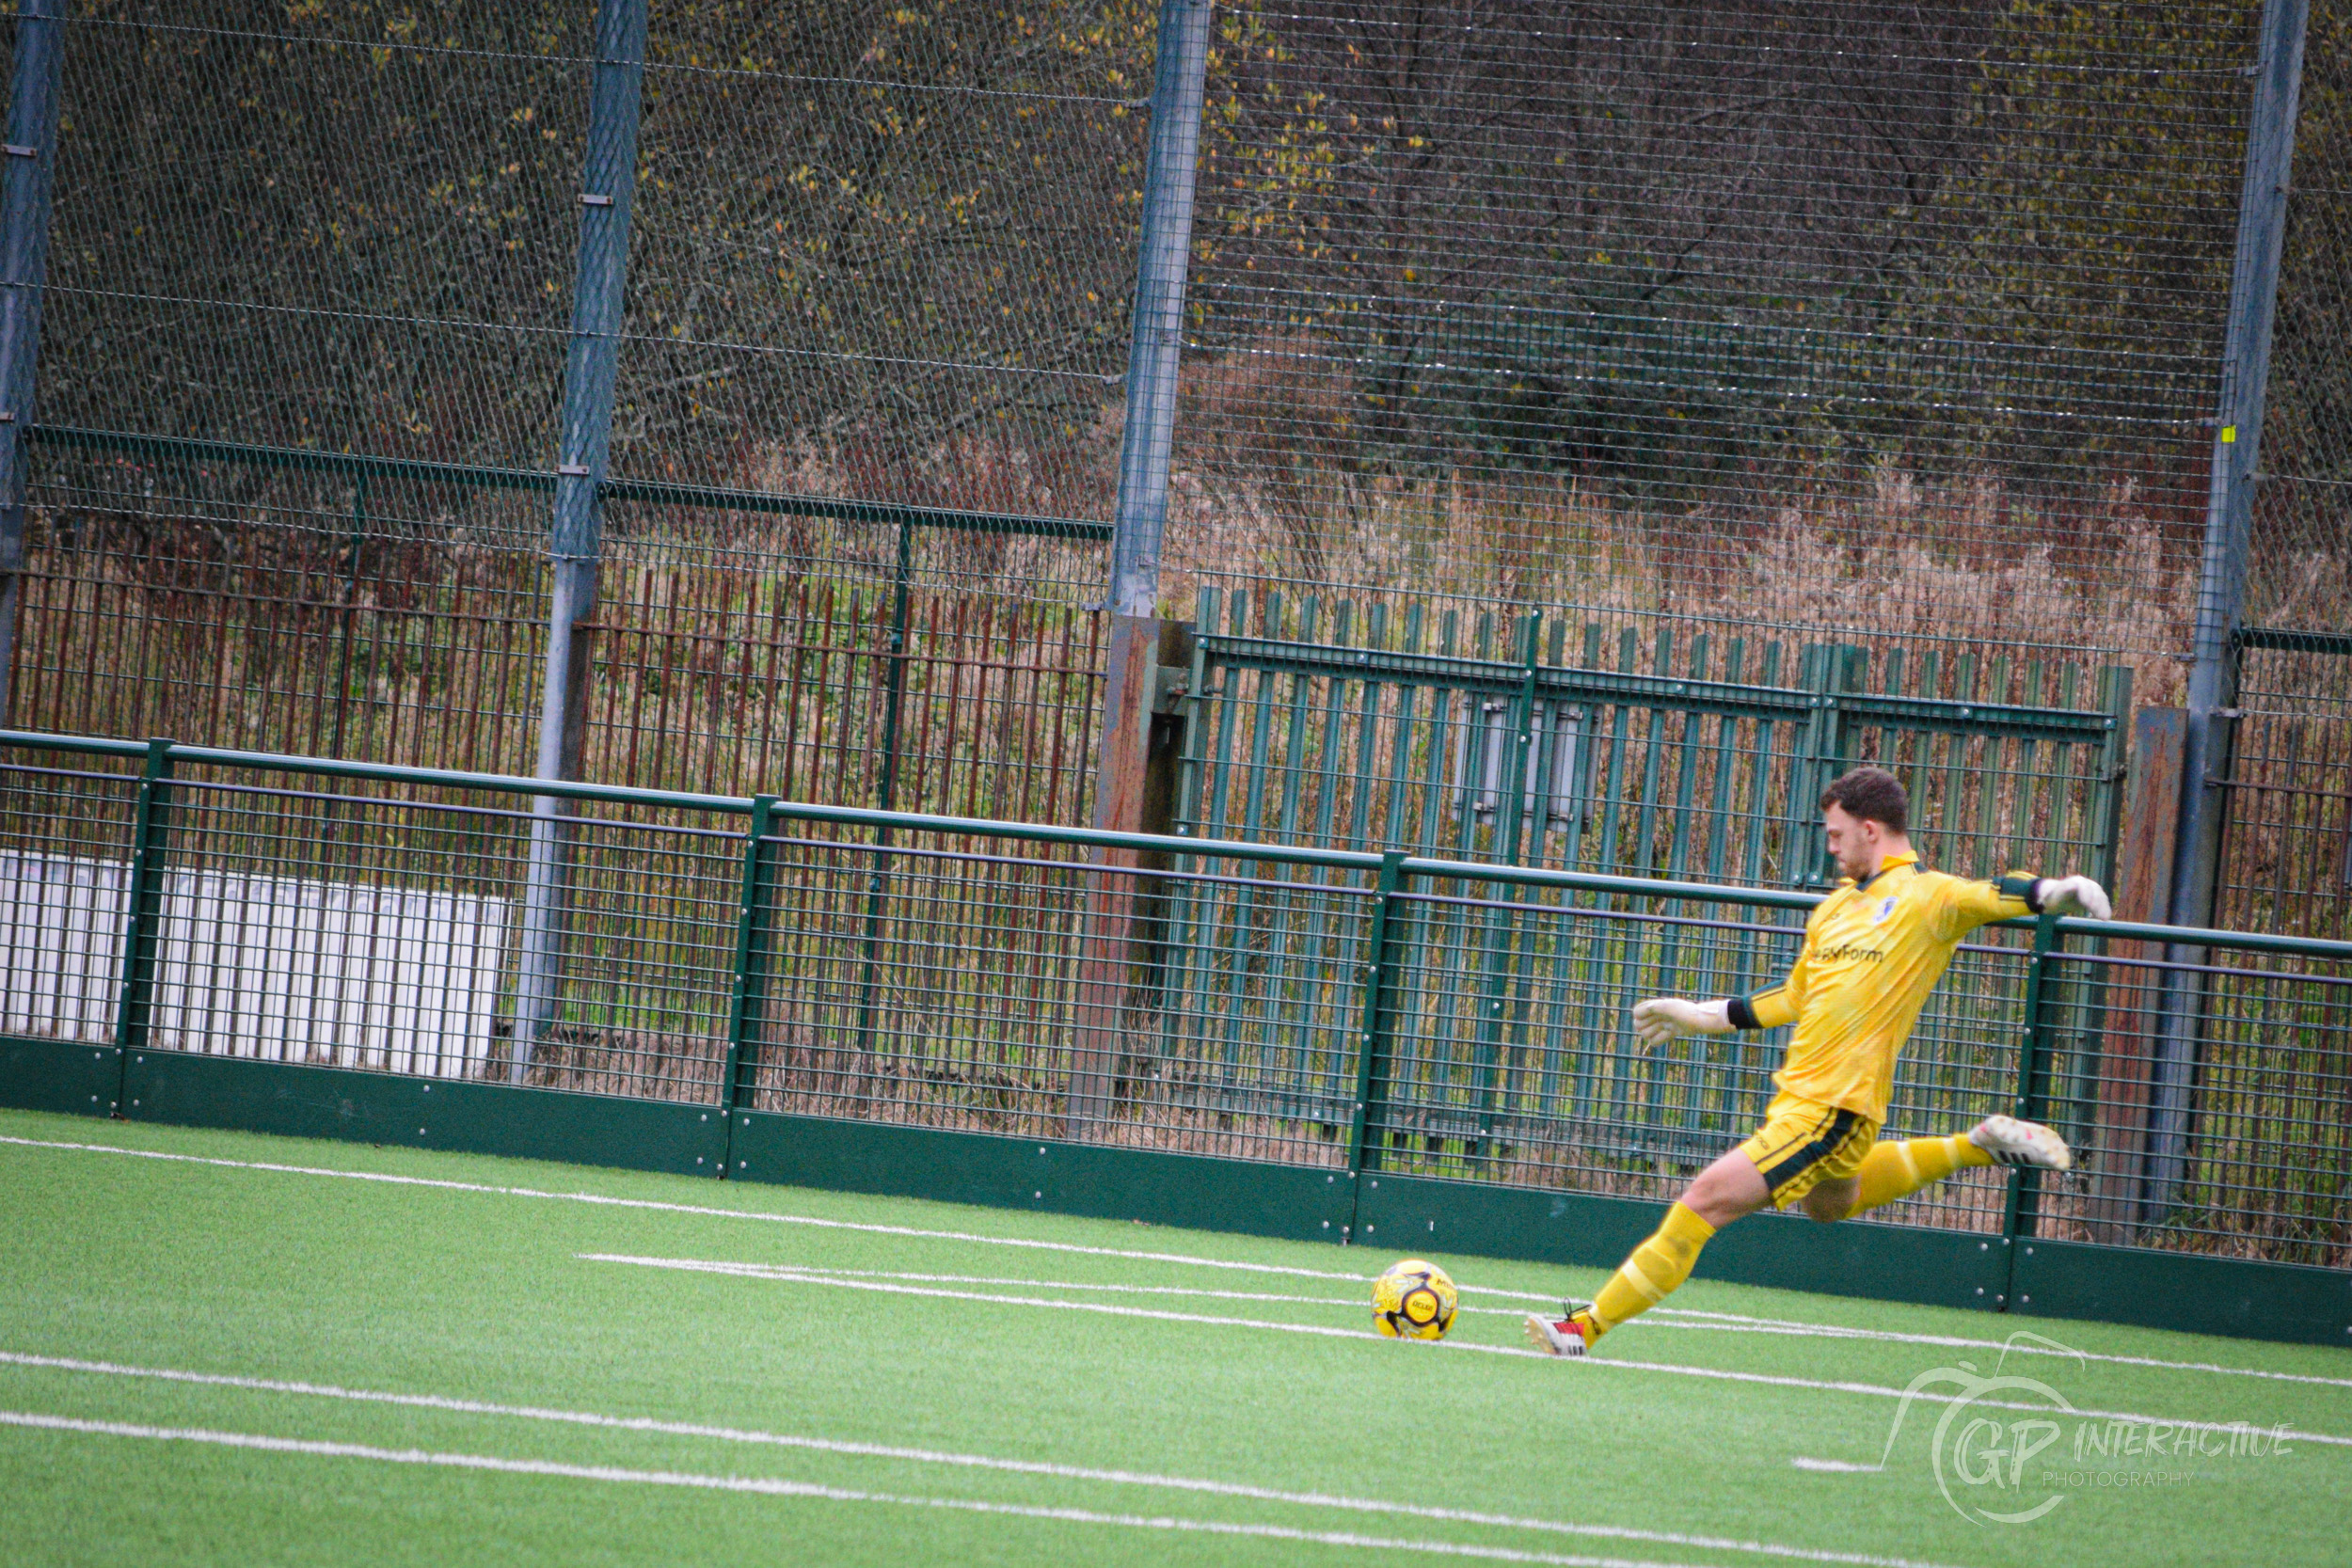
1873	951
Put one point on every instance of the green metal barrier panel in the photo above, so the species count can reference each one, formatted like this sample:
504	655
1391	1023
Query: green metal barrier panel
1286	1039
408	1113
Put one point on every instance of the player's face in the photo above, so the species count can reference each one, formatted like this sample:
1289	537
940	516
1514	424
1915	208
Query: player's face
1853	841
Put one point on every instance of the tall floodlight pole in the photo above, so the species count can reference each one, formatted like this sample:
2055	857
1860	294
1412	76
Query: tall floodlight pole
1123	780
1154	348
2205	753
1157	334
607	187
26	172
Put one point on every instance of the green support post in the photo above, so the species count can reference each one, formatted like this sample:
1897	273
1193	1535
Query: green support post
143	910
350	609
1511	799
745	1013
2115	756
1806	773
2074	1101
1372	1085
1831	671
2033	1082
894	698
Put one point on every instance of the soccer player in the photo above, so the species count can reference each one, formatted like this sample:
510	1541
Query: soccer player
1873	949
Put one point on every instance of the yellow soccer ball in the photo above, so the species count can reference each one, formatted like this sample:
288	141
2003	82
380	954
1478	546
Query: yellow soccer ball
1413	1301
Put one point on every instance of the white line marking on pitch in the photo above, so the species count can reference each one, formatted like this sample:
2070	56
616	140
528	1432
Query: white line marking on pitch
1733	1321
1759	1324
1352	1304
1837	1467
1720	1322
599	1200
936	1456
1737	1323
1876	1390
779	1488
766	1270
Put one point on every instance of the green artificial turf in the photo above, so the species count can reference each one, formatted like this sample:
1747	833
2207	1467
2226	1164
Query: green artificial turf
485	1296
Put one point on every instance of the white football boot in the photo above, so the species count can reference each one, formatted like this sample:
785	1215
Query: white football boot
2011	1142
1562	1336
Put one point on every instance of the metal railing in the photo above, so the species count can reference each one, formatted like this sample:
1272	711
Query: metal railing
1294	1006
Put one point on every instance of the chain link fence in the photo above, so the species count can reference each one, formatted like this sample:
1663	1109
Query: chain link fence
868	377
1891	328
2288	847
1888	318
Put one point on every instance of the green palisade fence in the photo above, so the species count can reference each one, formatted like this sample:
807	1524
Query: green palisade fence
1377	1049
1507	738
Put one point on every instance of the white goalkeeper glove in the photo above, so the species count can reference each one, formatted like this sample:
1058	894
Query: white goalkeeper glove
2074	896
1662	1017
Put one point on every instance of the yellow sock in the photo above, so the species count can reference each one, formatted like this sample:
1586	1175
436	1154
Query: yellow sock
1890	1171
1657	1266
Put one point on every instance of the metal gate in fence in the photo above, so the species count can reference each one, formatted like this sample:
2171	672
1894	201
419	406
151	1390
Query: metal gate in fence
1702	760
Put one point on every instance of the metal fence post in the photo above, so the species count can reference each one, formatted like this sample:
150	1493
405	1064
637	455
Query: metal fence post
607	184
886	794
2033	1082
2143	894
1154	348
26	176
1828	671
1122	786
1371	1044
894	701
2236	451
2104	820
143	912
747	1011
1156	332
2221	585
1502	925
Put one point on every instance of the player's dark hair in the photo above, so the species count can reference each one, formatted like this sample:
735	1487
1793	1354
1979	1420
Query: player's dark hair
1870	795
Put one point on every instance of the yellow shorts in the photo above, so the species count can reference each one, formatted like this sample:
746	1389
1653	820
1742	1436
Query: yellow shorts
1804	1143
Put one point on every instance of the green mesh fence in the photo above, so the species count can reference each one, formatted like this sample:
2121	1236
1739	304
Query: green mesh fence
1280	1005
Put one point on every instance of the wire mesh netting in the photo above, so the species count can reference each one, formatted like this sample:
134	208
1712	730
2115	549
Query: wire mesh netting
223	268
881	275
1888	317
995	991
1896	327
2297	570
221	265
2287	850
917	288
